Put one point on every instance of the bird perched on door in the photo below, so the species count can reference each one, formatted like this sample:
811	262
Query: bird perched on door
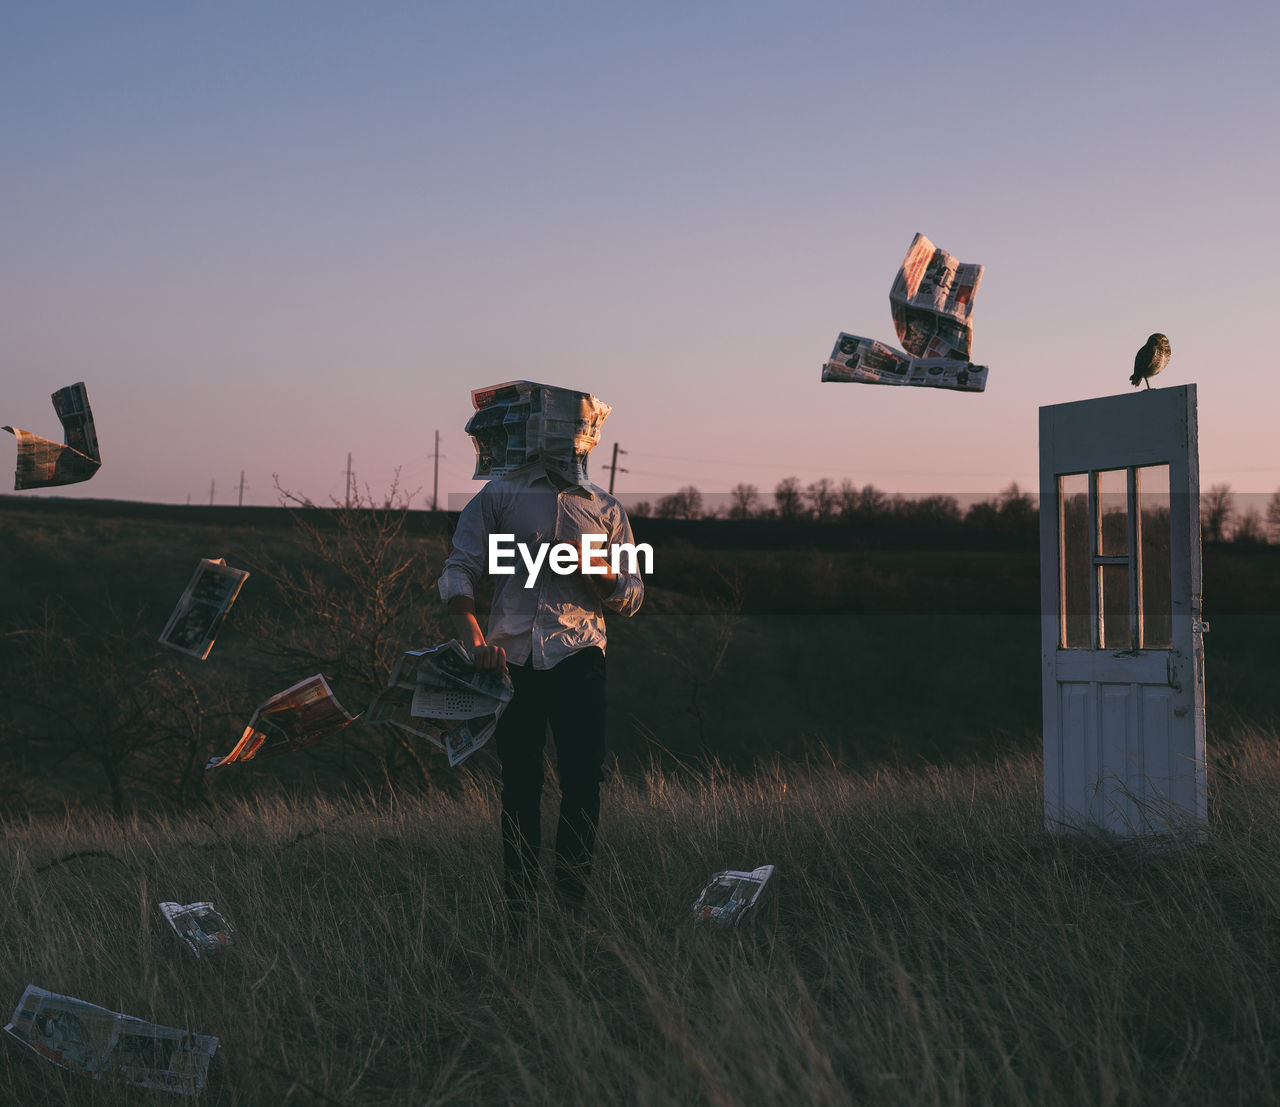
1148	361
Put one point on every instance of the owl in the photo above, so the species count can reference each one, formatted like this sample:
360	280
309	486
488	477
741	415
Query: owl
1148	361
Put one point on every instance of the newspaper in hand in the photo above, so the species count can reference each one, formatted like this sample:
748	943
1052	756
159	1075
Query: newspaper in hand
438	694
96	1042
43	463
290	720
203	605
199	925
866	361
932	305
730	896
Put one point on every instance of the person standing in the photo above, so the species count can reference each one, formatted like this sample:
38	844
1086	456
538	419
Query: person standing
547	627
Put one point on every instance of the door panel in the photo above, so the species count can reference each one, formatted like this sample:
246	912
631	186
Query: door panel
1121	646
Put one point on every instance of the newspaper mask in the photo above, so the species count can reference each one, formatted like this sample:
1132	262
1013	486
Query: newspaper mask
520	422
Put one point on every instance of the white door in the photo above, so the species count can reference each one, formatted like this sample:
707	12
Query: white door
1121	637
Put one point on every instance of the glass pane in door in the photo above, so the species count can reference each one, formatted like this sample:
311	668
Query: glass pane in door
1113	512
1157	594
1073	491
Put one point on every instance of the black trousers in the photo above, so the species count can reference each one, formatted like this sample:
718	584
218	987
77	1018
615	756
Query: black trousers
571	698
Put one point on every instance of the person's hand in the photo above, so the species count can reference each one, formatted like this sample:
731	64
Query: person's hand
599	564
602	578
489	658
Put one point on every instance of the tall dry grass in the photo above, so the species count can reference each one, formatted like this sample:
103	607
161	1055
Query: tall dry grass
926	942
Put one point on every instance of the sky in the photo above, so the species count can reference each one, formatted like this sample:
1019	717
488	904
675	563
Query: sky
271	235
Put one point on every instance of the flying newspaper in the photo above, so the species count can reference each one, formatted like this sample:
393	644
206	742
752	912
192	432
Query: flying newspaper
43	463
201	608
932	305
290	720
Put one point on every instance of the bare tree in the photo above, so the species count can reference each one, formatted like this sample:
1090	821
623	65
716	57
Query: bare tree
684	504
351	605
1012	511
789	498
935	509
1216	509
1250	530
1273	516
743	501
823	499
108	698
861	503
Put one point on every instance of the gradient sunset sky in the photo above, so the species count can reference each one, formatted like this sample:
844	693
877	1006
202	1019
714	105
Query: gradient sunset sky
266	234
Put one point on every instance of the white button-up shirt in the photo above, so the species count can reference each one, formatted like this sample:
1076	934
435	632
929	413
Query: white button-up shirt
558	615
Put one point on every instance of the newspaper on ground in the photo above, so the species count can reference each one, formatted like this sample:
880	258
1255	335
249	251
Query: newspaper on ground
96	1042
730	896
199	925
438	694
203	605
866	361
43	463
290	720
931	301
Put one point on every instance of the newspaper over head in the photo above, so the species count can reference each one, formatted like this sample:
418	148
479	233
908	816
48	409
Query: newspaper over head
522	422
96	1042
43	463
931	301
438	694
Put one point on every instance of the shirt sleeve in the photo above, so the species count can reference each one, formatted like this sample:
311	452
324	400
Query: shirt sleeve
465	564
628	594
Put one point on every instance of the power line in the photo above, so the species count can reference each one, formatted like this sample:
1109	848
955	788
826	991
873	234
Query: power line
780	465
865	472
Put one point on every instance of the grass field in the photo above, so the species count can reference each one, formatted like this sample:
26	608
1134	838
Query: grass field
926	942
871	728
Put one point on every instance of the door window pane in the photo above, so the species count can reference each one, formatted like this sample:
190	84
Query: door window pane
1113	512
1114	613
1074	630
1157	592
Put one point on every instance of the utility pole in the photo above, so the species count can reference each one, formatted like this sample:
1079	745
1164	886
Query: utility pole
348	479
241	504
211	492
435	480
613	466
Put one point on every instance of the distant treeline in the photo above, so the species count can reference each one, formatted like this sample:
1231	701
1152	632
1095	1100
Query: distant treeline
821	515
1009	517
824	515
